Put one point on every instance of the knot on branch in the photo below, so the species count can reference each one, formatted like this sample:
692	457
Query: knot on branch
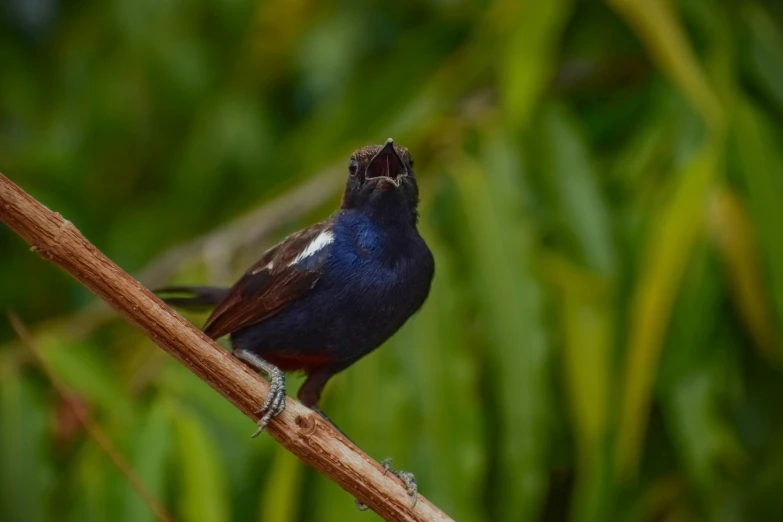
307	425
43	252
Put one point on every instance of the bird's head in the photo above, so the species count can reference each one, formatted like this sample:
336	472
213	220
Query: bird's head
381	176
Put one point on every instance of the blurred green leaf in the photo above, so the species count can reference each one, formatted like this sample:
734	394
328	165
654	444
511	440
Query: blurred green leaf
280	499
657	25
150	462
759	164
24	466
736	241
693	321
578	199
204	495
765	52
587	323
499	238
532	33
668	252
94	501
709	444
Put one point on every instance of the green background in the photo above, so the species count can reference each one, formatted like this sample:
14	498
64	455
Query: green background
602	188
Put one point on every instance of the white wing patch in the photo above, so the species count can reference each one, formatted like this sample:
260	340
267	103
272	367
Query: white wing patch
323	239
268	267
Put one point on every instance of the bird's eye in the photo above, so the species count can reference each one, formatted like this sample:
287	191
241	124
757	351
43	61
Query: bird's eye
353	166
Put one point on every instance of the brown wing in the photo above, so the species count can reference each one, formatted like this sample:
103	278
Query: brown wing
285	273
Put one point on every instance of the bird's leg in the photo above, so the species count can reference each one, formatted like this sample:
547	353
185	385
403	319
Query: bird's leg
275	400
310	394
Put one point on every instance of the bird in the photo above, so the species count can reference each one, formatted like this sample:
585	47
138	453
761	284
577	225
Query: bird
330	294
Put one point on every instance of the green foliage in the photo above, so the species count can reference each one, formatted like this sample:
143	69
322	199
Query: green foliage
601	186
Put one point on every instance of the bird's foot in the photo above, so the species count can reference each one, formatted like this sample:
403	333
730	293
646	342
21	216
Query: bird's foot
406	477
274	404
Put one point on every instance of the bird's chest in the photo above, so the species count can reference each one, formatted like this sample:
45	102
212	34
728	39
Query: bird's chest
369	261
381	276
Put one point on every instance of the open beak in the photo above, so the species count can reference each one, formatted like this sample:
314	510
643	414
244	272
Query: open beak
387	164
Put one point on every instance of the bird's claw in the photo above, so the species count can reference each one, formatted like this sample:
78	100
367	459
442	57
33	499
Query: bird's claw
406	477
274	404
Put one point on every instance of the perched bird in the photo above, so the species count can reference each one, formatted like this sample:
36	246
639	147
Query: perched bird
332	293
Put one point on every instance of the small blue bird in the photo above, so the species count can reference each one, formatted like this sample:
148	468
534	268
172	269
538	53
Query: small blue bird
332	293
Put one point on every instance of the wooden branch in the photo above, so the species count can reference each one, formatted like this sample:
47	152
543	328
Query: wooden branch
303	432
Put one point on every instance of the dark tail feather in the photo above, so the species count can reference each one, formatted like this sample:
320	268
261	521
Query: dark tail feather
192	297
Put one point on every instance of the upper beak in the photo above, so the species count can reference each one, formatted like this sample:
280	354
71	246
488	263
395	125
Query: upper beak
386	163
388	147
